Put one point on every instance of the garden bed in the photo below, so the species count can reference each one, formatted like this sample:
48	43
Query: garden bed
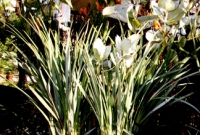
20	117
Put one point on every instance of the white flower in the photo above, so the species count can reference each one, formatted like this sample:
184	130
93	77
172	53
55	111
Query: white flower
173	31
125	49
183	31
101	52
184	21
117	11
107	64
153	3
169	11
11	9
128	45
152	35
112	12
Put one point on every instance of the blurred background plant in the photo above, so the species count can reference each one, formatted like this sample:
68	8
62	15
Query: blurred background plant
7	51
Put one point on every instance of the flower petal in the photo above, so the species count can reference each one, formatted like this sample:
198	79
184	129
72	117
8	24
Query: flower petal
107	64
11	9
118	42
149	35
128	60
134	41
115	59
126	46
106	52
99	49
153	35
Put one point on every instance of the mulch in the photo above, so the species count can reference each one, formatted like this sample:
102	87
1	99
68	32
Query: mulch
18	116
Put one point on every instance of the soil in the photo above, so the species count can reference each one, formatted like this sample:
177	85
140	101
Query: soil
18	116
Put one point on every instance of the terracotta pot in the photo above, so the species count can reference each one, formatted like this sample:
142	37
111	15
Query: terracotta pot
9	77
25	78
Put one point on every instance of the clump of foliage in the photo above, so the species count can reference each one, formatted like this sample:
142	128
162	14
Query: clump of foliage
7	53
124	80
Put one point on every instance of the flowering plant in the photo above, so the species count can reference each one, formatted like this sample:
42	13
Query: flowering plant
124	81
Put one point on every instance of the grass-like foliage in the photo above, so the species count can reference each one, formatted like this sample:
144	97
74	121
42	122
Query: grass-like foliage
54	71
124	82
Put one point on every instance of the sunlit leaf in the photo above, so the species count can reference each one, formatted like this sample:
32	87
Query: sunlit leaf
133	23
175	16
168	5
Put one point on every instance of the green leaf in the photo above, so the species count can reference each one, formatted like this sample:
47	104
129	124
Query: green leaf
44	103
133	23
143	19
182	41
168	5
175	16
